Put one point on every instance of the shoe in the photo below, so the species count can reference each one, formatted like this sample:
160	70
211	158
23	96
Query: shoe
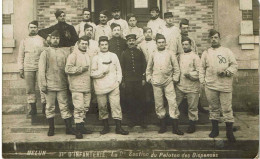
33	110
119	129
229	132
163	127
215	131
84	130
43	108
78	134
192	127
51	127
106	127
69	129
175	127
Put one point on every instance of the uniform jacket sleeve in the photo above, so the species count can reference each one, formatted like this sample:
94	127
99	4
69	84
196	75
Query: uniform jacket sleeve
76	27
71	68
203	67
149	69
196	63
42	70
21	55
143	64
176	69
96	71
44	33
232	63
122	63
74	35
118	69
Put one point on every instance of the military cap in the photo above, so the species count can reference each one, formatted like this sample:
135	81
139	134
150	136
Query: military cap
184	22
113	25
159	36
103	38
168	15
145	29
84	38
87	26
155	9
105	12
130	36
55	33
58	13
115	9
213	32
185	39
35	22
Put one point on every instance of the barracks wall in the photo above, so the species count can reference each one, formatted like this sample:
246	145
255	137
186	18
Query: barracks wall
224	15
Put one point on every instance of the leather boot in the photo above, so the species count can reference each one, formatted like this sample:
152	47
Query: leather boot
229	132
106	127
43	108
51	127
119	129
84	130
215	130
69	128
163	127
175	127
78	134
192	127
33	110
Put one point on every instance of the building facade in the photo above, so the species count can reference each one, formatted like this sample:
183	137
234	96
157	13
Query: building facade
236	20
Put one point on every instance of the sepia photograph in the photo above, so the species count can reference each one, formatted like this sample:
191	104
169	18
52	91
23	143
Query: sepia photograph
130	79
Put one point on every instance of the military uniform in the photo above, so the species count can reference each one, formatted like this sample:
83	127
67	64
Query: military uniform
102	30
156	25
117	45
137	31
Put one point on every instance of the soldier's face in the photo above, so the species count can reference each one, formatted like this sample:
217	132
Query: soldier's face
86	15
132	22
169	20
154	14
116	14
215	40
161	43
103	45
89	32
131	43
33	29
116	32
184	29
103	19
55	41
186	46
62	17
148	34
83	45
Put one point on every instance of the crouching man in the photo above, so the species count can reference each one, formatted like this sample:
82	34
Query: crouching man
53	82
162	72
78	70
218	65
107	75
189	84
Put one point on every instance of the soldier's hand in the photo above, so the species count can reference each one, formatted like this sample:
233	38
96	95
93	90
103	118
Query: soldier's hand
44	90
85	68
123	84
228	73
143	82
21	73
221	74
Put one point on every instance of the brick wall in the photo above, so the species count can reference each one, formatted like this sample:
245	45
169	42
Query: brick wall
199	13
47	8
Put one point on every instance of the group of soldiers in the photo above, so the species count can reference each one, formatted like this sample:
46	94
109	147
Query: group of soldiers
159	61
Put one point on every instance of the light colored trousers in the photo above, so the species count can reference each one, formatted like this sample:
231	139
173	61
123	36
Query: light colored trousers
62	97
219	101
193	100
114	100
81	102
31	77
171	98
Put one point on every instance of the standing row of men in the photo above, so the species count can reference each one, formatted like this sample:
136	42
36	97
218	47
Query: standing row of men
114	54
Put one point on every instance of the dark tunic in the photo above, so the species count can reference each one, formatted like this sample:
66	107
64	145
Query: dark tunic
117	45
133	65
68	34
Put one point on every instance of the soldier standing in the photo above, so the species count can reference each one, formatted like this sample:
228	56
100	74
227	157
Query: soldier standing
133	67
218	65
78	70
53	82
162	72
86	20
189	82
28	58
107	75
103	29
68	34
93	48
155	23
133	29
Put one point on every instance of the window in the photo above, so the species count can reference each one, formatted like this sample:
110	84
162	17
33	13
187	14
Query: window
256	17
